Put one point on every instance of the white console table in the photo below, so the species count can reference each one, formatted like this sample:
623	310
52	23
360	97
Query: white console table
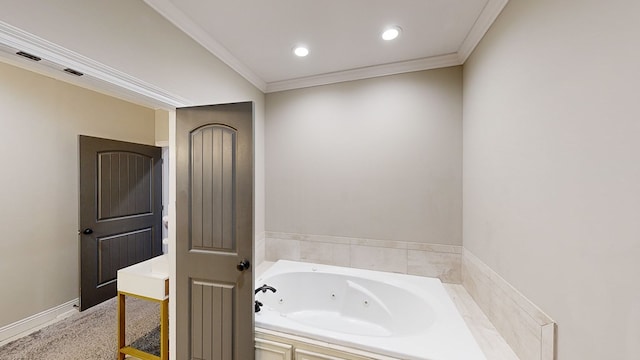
148	280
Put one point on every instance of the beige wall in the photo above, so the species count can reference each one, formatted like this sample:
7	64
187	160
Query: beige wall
162	126
377	158
41	120
551	166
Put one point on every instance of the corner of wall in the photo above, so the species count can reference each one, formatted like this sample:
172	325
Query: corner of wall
527	329
36	322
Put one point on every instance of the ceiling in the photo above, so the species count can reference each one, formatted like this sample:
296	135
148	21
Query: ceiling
256	37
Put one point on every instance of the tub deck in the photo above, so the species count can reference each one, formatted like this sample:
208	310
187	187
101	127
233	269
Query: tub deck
491	343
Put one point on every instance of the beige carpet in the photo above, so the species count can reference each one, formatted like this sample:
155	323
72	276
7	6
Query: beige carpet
90	335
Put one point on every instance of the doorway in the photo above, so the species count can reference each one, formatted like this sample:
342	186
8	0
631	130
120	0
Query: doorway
120	212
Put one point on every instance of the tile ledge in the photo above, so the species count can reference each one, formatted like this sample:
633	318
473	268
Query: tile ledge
409	245
514	294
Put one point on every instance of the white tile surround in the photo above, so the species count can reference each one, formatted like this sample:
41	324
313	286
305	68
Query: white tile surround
488	338
433	260
501	315
528	331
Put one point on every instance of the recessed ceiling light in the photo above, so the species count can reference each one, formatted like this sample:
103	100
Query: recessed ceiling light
301	51
391	33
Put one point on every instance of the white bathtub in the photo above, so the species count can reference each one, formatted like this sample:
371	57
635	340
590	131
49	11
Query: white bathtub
402	316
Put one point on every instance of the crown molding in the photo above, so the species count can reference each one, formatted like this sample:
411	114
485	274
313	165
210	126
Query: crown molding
429	63
184	23
97	76
482	24
487	16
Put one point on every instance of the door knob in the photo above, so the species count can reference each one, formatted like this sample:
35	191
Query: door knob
243	265
87	231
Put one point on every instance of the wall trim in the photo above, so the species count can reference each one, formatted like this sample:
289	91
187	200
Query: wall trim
482	24
487	16
429	63
36	322
184	23
97	76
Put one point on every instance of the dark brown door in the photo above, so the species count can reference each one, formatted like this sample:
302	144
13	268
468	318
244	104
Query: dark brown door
120	212
214	247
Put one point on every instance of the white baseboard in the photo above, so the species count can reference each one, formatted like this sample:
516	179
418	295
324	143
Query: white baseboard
36	322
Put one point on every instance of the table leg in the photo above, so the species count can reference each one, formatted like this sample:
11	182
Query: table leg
164	330
121	325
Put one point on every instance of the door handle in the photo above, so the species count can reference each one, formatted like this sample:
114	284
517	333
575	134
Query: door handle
243	265
87	231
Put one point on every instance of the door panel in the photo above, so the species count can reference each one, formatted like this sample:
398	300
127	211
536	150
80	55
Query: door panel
121	210
212	308
121	250
124	184
213	188
214	225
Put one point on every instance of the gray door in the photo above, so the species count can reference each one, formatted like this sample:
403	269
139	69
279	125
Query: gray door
214	214
120	212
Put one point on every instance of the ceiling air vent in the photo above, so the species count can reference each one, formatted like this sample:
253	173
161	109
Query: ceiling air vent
28	56
73	72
